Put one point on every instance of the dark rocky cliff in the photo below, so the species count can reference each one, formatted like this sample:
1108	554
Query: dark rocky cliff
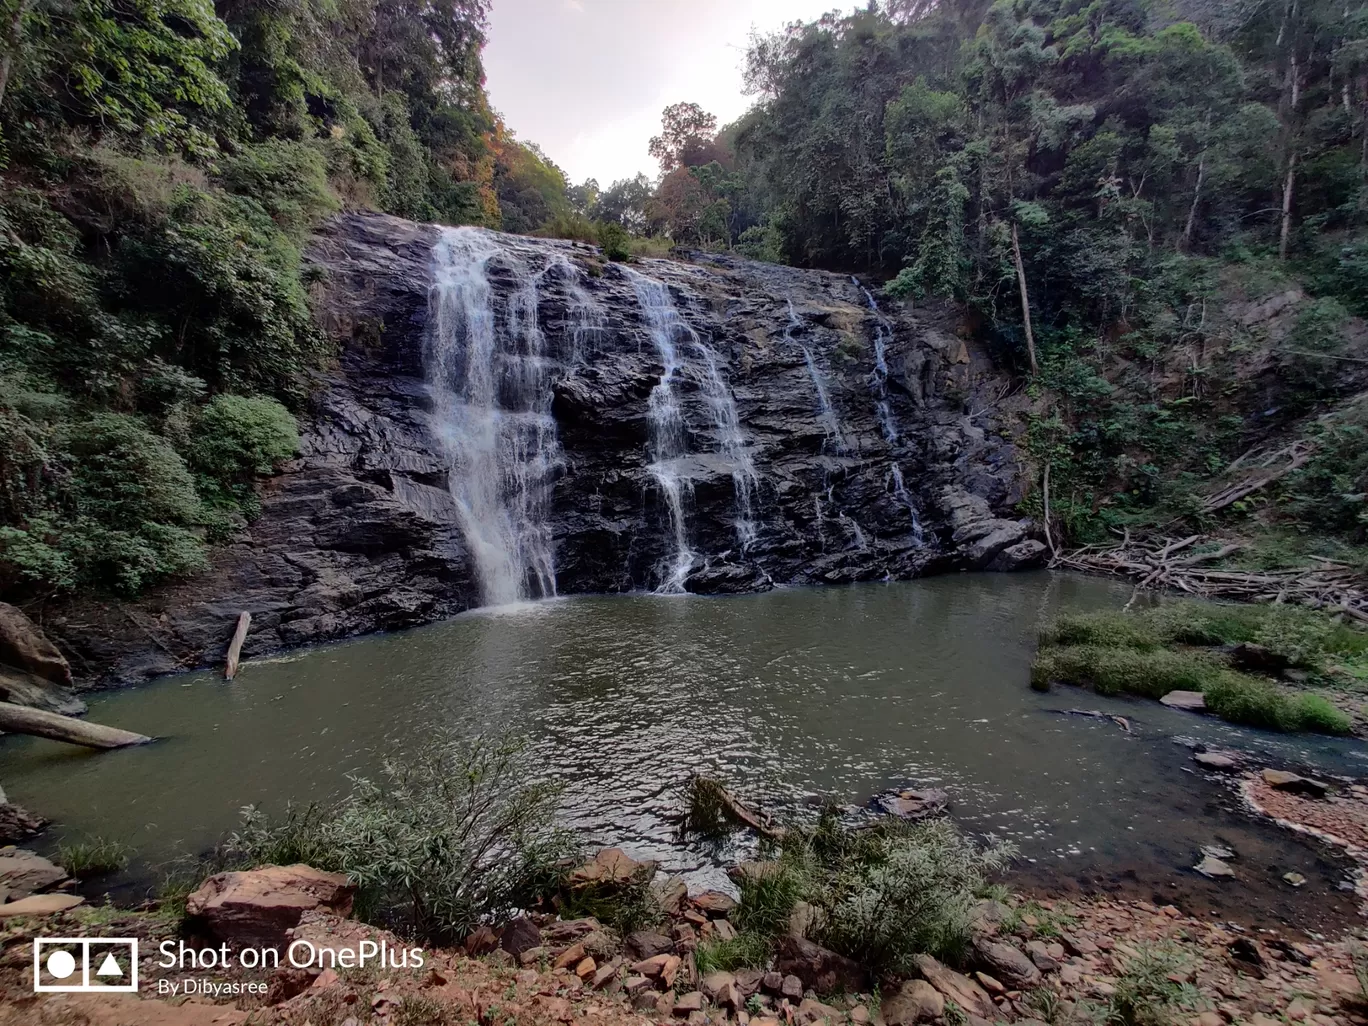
361	533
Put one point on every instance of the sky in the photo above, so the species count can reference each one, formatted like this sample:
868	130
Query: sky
587	79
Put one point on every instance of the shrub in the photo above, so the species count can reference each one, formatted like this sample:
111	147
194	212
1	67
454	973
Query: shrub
435	844
615	241
289	179
236	438
1248	700
908	890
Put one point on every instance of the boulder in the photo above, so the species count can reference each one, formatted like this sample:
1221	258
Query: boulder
611	869
670	894
258	906
1003	962
916	1001
24	646
1189	701
968	995
748	981
820	969
520	935
1024	555
810	1011
646	944
24	872
805	919
1282	780
21	688
481	941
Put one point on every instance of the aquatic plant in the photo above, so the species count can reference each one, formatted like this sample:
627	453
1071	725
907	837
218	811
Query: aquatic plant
93	856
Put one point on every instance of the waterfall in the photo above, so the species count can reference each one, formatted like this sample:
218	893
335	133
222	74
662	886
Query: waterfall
879	379
492	413
831	423
900	491
668	443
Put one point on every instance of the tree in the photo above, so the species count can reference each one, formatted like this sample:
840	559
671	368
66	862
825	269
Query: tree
687	131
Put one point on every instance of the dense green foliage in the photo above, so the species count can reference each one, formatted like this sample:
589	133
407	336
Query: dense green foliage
1187	647
162	162
1104	186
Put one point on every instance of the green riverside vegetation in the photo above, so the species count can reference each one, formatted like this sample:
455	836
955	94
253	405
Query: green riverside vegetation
1192	647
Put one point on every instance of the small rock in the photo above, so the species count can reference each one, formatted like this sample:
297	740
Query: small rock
1223	762
1283	780
915	1001
822	970
989	984
773	983
572	955
804	919
810	1011
1079	945
1294	878
1298	1009
1190	701
1215	851
723	930
520	935
1069	976
670	894
860	1015
646	944
633	984
691	1002
1214	869
586	968
533	955
953	986
714	904
605	975
1006	963
1040	956
911	804
713	983
792	987
644	999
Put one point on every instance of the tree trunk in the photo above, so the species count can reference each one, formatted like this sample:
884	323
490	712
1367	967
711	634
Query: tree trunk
10	43
1025	300
1196	201
1286	233
235	646
20	719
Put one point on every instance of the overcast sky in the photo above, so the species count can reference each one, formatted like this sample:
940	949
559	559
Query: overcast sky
587	79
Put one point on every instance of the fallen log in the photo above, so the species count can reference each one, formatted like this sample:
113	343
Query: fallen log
230	668
20	719
709	790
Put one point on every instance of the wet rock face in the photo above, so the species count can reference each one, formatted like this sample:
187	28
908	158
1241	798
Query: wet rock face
361	533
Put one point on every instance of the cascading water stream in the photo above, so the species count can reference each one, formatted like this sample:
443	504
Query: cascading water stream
491	393
831	423
668	443
900	490
879	379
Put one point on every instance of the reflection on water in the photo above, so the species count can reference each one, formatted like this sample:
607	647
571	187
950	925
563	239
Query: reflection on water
837	692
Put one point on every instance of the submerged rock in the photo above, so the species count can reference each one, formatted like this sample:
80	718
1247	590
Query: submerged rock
1214	869
1295	783
912	804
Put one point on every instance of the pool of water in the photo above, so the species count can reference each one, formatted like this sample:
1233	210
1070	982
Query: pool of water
834	692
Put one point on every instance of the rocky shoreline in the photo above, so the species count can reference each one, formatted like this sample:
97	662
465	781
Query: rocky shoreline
1050	961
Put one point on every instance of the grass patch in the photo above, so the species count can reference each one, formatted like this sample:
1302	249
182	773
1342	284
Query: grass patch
1146	994
745	951
1185	646
94	856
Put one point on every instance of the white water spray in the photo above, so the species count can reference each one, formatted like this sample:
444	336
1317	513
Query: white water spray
491	389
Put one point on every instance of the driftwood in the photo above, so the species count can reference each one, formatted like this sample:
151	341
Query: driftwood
736	810
1328	585
20	719
1269	469
230	668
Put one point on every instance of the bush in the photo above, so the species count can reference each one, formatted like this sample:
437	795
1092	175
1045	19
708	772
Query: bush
236	438
435	844
745	951
615	241
904	890
1255	703
289	179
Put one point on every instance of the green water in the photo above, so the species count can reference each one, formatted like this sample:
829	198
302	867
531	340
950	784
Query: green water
837	692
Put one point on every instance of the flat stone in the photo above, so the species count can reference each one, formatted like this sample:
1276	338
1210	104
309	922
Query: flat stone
714	904
647	944
1282	780
1191	701
989	984
1040	956
1214	869
40	905
520	935
24	872
573	955
691	1002
1004	962
1222	762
